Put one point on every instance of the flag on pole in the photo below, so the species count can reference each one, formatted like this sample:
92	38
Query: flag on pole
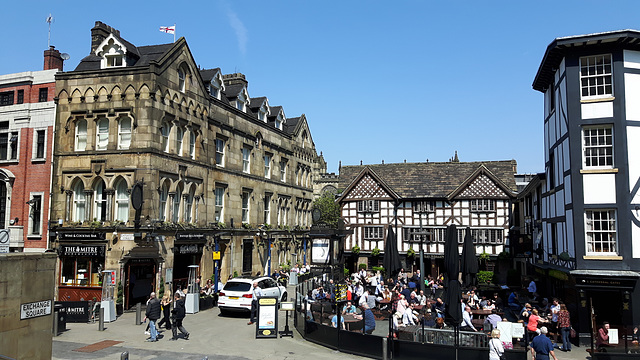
168	29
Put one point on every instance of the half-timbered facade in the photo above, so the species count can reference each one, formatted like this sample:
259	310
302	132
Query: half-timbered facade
590	201
419	200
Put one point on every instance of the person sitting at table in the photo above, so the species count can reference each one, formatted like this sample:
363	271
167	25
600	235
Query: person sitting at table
413	299
438	308
489	305
602	338
466	324
439	323
369	319
472	299
534	320
334	322
493	319
497	301
380	289
422	298
349	308
409	318
402	305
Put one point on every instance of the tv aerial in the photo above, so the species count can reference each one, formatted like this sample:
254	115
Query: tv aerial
49	20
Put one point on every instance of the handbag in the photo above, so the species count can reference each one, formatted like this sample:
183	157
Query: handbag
572	332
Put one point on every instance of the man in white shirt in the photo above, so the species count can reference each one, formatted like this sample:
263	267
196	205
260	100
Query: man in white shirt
257	293
466	324
409	318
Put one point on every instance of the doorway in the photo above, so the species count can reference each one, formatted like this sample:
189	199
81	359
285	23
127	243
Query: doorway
141	281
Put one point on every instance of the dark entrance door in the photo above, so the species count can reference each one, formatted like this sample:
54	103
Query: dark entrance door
141	280
606	306
181	264
247	256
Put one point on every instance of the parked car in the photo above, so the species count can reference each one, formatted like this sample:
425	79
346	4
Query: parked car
237	293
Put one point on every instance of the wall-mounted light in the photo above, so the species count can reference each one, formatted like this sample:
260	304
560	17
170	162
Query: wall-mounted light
13	221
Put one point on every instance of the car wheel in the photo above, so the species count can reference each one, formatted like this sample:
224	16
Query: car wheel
223	312
283	298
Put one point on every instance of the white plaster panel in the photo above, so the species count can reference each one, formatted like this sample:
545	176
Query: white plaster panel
631	59
546	141
567	189
632	91
566	160
552	130
561	68
633	147
560	203
597	110
599	188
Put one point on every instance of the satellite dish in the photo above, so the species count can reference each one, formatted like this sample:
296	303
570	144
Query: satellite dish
65	56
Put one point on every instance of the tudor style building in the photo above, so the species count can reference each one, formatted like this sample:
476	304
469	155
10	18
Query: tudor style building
590	201
414	198
27	113
217	168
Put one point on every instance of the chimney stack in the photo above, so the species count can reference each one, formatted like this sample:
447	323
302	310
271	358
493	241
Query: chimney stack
100	32
52	59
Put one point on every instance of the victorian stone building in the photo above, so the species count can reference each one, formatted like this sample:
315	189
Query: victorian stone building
157	163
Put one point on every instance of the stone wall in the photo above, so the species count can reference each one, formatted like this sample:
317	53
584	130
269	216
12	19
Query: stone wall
26	278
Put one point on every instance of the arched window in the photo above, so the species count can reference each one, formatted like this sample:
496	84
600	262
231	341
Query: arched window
164	131
81	135
124	133
192	144
79	202
162	206
102	134
176	204
122	201
179	140
3	203
100	201
188	207
181	79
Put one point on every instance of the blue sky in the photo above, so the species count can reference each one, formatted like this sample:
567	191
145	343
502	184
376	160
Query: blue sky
377	80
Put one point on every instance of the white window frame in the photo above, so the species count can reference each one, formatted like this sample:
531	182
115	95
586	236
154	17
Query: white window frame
165	134
179	140
423	206
81	136
182	79
605	233
219	202
482	205
596	78
188	207
123	133
79	202
373	232
122	201
368	206
267	208
487	236
32	197
102	137
600	150
192	144
34	154
220	144
267	166
177	200
283	170
98	202
162	201
246	206
246	160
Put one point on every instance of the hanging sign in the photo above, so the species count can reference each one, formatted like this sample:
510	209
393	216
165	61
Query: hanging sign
320	251
82	250
190	236
82	236
341	292
216	255
267	326
189	249
35	309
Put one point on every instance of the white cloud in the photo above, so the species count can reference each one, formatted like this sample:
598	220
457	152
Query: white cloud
240	29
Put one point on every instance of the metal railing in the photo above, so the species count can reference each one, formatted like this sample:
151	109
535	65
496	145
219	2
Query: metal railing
447	337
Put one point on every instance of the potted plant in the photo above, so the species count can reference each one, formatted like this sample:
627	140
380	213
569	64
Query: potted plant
375	251
411	253
355	249
120	299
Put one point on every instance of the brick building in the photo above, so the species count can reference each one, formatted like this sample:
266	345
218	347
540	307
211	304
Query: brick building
27	113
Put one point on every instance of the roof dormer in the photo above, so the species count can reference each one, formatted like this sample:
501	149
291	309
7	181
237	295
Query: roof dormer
112	52
279	119
216	86
242	101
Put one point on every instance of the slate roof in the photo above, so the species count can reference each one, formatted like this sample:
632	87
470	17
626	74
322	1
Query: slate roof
145	55
207	74
430	179
290	126
233	90
256	102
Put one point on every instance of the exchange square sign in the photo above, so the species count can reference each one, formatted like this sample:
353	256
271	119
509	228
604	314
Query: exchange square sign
35	309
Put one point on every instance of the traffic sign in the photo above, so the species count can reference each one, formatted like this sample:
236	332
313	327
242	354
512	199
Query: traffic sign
4	240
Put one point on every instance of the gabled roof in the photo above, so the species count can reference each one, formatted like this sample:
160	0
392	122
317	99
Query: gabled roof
290	126
232	91
257	102
437	180
560	47
481	170
367	171
208	74
146	54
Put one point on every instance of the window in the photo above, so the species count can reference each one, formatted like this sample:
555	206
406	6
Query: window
262	115
20	97
40	140
114	60
414	234
267	166
219	152
6	98
35	215
552	173
100	201
267	209
487	236
43	94
219	203
601	232
598	147
81	270
247	256
179	138
373	232
368	205
240	105
162	205
283	170
245	207
124	133
102	134
188	206
423	206
81	135
164	131
596	76
13	146
246	163
192	144
176	204
122	201
482	205
79	202
181	80
4	140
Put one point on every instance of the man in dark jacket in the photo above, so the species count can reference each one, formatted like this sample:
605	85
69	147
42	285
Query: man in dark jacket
153	314
178	314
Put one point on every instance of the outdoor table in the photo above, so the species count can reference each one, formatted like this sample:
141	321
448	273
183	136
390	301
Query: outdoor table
351	321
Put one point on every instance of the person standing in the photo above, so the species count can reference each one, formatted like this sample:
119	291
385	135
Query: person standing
257	294
495	345
369	320
542	347
564	323
153	314
166	311
179	312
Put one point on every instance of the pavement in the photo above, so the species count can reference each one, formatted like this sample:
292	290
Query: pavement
211	335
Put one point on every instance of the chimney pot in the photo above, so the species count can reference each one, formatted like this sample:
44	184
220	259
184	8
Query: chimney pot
53	59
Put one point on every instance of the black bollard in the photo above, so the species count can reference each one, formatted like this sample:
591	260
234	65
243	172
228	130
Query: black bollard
101	319
124	356
138	313
55	323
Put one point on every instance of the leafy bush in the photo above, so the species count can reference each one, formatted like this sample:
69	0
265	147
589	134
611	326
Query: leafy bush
411	252
355	249
362	266
378	268
484	277
120	298
375	251
484	256
504	255
346	272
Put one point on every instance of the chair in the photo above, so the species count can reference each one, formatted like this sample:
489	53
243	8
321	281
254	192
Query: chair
94	310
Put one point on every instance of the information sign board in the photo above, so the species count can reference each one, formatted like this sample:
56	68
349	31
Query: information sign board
4	240
341	292
267	326
35	309
320	251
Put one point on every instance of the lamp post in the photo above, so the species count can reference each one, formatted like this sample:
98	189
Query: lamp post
216	265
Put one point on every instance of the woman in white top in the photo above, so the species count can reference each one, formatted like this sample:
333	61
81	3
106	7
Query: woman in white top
495	345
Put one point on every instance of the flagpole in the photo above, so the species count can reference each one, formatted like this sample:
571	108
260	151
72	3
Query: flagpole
174	32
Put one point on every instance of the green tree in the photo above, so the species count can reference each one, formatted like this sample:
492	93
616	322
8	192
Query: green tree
329	209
